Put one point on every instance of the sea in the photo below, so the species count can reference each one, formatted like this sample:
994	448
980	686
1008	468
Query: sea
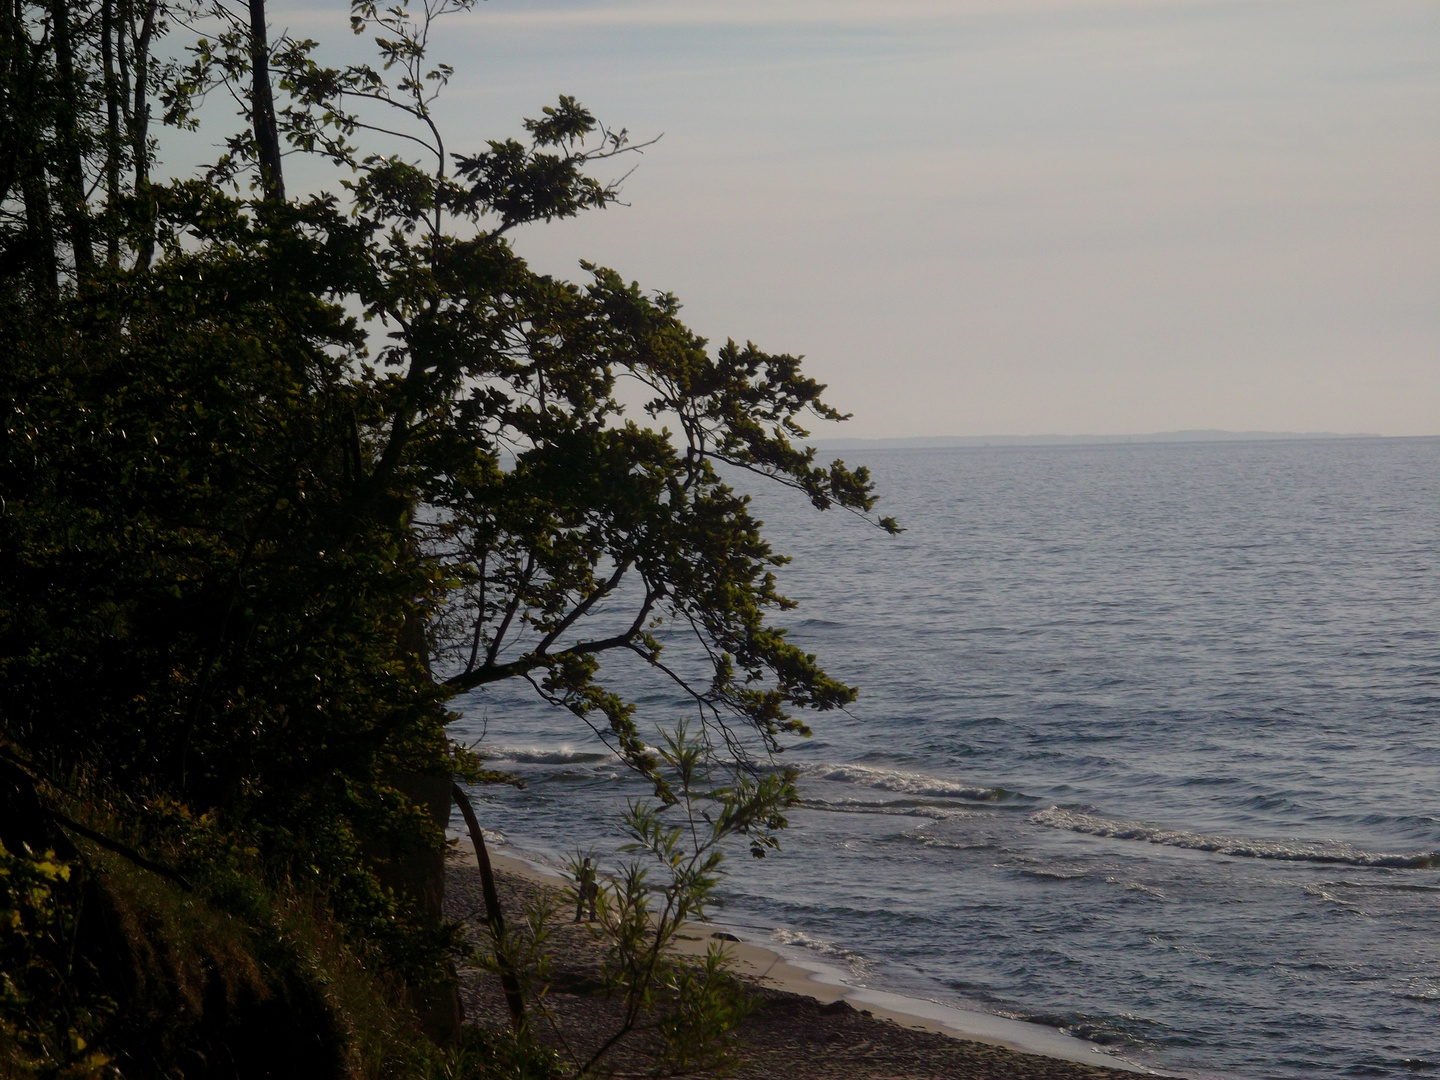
1147	749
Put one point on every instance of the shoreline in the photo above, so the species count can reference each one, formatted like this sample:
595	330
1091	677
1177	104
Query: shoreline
767	967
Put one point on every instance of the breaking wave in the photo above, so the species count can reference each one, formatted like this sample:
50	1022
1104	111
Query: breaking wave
1317	851
905	783
857	963
899	808
546	755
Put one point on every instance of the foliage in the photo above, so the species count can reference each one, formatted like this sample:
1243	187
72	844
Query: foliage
672	1013
280	476
496	1055
692	1008
45	1026
112	968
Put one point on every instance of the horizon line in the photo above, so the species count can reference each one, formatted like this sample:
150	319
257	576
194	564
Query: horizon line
1196	435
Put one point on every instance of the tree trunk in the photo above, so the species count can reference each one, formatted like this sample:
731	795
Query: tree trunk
262	107
40	237
108	32
67	123
135	90
493	915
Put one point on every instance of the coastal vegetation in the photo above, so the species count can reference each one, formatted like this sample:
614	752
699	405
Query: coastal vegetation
286	467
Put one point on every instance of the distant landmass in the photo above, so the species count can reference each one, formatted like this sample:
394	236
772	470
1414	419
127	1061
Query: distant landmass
1205	435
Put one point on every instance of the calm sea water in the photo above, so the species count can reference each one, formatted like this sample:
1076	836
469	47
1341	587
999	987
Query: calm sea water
1147	749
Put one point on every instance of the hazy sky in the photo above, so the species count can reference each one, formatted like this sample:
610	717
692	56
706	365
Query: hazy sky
1058	216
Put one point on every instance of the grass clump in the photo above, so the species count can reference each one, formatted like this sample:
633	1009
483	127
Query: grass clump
173	952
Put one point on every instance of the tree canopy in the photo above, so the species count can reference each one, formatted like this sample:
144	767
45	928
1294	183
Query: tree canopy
283	472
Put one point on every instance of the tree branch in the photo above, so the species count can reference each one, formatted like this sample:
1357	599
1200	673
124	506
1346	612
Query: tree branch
491	672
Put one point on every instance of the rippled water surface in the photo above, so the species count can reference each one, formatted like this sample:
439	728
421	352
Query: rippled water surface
1148	748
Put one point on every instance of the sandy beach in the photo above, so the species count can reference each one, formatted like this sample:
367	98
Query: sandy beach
806	1025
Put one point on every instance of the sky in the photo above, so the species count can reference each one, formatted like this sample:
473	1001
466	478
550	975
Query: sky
977	217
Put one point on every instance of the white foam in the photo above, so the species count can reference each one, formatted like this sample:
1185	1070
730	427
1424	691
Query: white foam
564	754
1320	893
1320	851
1137	886
894	808
1422	990
857	964
902	782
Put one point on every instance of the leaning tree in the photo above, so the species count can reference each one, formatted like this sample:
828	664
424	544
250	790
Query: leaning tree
284	472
